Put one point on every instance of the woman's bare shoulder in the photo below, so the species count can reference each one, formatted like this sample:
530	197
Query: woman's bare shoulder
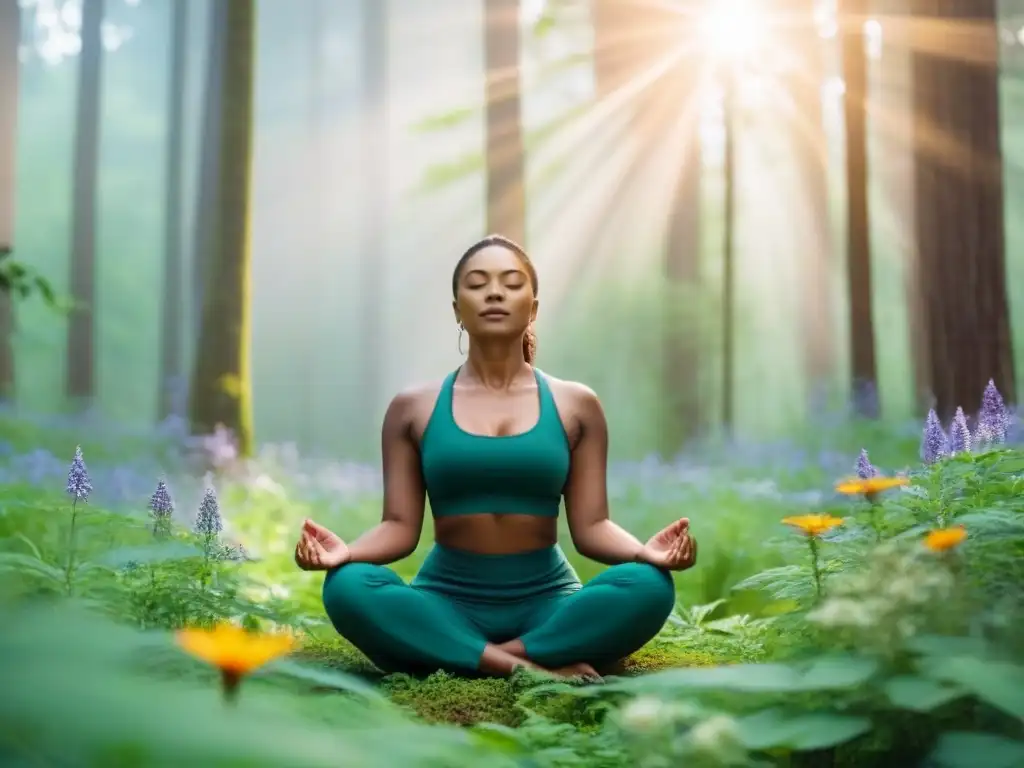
575	392
413	405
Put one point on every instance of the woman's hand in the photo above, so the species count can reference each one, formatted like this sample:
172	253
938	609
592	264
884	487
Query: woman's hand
319	549
672	548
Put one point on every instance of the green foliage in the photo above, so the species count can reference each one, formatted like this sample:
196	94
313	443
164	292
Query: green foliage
21	282
906	655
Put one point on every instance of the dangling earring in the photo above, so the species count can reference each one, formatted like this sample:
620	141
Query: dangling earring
462	328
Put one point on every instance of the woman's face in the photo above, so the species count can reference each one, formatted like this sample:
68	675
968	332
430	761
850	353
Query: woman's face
495	297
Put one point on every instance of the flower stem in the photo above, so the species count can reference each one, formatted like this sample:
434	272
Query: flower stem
230	681
813	542
71	547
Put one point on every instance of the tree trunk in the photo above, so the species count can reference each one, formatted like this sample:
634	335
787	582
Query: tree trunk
10	37
221	383
171	327
631	37
317	34
891	102
506	194
810	147
959	205
80	374
374	199
681	331
205	234
863	369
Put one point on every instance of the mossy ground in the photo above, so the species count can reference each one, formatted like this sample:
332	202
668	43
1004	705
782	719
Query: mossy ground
443	698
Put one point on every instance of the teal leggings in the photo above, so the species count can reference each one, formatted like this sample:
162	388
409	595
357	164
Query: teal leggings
460	601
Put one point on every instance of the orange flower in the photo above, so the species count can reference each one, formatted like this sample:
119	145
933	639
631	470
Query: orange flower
813	525
944	539
232	650
855	486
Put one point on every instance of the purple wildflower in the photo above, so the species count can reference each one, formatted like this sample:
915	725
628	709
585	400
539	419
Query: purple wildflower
934	441
865	469
208	521
993	418
79	484
959	434
161	505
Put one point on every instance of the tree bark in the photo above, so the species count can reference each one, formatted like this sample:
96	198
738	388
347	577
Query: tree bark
205	233
80	374
506	194
891	103
863	366
221	384
959	204
10	37
171	326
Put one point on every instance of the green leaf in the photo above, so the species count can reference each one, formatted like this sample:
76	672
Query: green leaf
962	750
447	120
327	678
822	674
499	737
998	683
919	694
29	565
773	728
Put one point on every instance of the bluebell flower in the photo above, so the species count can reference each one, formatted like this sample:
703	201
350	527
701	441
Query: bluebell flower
993	418
161	505
79	484
934	441
208	520
959	434
865	469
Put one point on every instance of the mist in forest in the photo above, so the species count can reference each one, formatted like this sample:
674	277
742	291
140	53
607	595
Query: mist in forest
369	178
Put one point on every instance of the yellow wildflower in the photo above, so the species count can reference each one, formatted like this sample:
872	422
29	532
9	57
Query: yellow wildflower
944	539
232	650
869	486
813	525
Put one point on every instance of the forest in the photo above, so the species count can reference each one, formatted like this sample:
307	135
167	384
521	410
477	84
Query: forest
776	238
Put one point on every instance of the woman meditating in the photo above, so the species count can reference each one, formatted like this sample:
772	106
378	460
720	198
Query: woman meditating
495	447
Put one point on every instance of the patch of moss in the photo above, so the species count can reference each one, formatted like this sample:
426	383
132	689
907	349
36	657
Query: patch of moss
337	653
658	656
444	698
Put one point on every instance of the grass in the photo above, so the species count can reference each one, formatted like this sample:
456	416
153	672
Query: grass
909	654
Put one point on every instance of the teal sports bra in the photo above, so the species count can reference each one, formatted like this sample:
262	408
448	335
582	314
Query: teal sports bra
468	474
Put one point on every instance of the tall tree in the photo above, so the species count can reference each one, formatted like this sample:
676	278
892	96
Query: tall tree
221	382
10	37
205	234
681	333
633	40
959	202
80	374
891	104
506	193
172	322
863	367
807	133
374	199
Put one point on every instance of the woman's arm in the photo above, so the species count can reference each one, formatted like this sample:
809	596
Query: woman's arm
586	492
399	530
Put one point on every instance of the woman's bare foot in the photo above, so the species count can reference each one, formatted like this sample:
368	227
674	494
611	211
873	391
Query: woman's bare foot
515	648
577	670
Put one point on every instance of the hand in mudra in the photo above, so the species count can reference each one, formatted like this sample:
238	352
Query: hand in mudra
672	547
319	549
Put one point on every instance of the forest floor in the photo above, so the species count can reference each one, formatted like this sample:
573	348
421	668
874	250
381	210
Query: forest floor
757	665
